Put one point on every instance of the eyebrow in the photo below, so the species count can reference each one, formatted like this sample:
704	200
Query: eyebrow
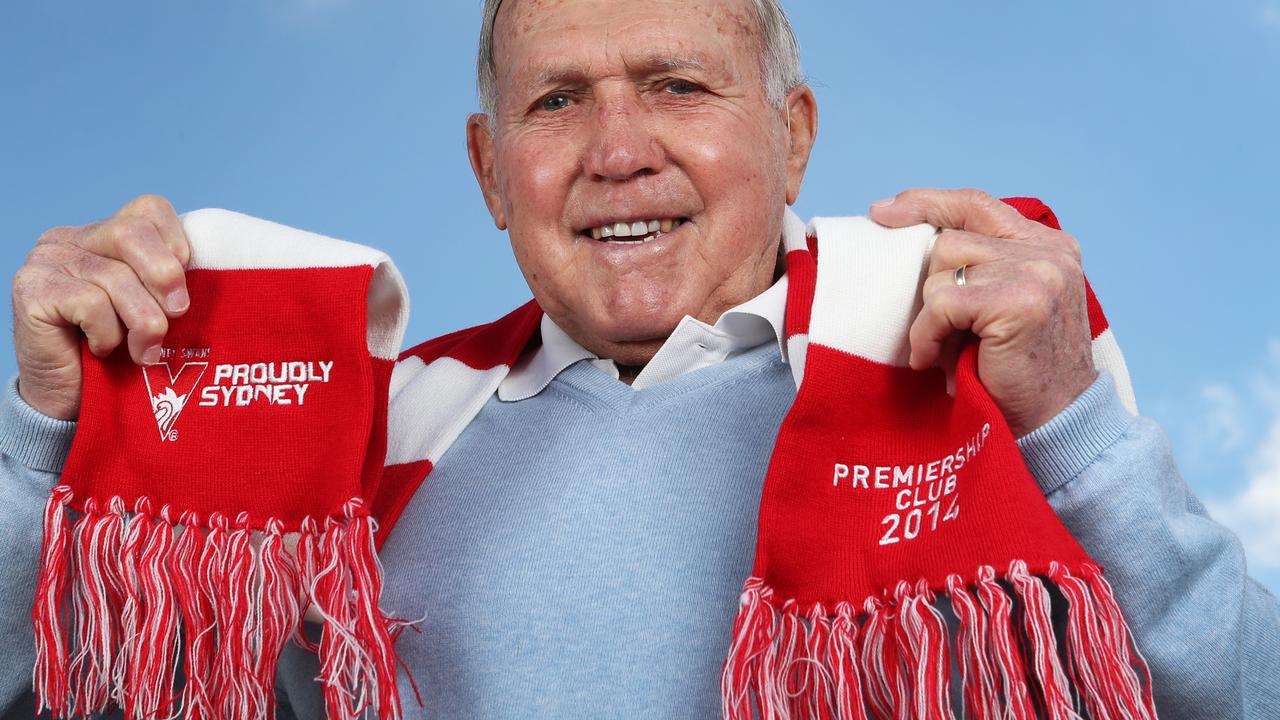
642	67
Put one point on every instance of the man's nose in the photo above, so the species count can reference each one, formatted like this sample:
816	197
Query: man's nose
623	144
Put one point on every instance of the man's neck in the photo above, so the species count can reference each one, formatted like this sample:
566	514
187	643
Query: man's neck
628	373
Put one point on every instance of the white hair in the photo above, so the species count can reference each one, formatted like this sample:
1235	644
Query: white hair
779	56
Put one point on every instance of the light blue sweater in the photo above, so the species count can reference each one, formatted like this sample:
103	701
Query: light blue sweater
579	554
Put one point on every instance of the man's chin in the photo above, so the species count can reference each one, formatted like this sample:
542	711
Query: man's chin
639	327
633	340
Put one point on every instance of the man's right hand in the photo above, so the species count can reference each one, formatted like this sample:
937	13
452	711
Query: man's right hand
122	276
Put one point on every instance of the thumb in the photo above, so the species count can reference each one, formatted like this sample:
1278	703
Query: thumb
891	213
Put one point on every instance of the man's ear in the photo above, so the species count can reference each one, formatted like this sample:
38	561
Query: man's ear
481	150
802	125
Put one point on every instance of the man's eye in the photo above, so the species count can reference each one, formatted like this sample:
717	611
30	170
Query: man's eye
682	87
558	101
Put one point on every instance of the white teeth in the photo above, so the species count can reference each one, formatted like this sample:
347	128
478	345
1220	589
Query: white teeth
647	229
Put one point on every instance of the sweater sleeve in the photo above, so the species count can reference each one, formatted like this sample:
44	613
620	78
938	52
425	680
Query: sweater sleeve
1209	632
33	447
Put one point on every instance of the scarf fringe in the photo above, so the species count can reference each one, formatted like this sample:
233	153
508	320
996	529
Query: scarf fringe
118	592
894	661
49	615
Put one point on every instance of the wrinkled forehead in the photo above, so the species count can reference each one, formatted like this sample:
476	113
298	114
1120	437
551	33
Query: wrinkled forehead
536	38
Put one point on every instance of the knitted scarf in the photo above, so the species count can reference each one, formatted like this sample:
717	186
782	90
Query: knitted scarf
886	492
222	495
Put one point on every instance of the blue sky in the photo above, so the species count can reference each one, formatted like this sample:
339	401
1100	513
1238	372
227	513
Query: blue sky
1151	128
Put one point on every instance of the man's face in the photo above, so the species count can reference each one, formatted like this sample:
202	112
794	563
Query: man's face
617	113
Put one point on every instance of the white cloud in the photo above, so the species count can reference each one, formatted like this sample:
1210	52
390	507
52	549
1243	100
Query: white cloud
1224	416
1270	15
1244	422
1254	512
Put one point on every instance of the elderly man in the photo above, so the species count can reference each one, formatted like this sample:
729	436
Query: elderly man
640	156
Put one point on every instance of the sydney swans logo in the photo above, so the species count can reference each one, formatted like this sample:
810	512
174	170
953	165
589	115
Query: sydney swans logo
169	391
240	385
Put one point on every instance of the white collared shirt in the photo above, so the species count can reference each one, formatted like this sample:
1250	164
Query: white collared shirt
692	345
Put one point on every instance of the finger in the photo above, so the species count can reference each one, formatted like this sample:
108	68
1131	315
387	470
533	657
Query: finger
137	243
947	309
968	209
975	275
87	306
954	248
133	304
161	213
949	354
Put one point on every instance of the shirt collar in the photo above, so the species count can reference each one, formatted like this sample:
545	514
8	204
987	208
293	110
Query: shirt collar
536	369
739	328
745	326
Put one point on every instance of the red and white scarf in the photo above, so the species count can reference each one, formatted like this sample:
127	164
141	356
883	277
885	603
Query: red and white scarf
884	491
838	617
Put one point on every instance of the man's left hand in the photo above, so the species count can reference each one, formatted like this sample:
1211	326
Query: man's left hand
1024	297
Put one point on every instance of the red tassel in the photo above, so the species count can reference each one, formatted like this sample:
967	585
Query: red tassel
897	665
372	627
238	626
842	659
88	684
787	698
339	650
1120	639
209	580
281	611
749	630
885	687
766	676
97	596
981	699
49	614
136	533
791	645
817	679
1084	643
1098	656
152	670
308	551
1054	691
197	616
118	593
108	578
1004	649
921	635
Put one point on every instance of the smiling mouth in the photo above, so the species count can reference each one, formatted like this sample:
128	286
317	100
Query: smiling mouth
633	233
